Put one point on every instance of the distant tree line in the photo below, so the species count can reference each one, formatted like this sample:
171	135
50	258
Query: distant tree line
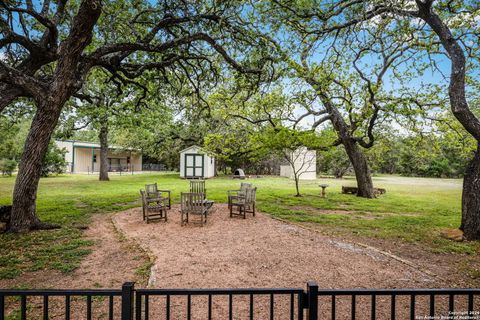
413	156
443	153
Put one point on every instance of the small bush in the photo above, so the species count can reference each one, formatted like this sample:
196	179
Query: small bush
7	166
54	161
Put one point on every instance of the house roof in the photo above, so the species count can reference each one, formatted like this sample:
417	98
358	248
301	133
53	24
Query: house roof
86	144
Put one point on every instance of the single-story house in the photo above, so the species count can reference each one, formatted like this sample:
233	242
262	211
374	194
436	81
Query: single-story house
196	164
304	163
85	157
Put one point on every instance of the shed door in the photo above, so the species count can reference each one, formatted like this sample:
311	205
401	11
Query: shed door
193	165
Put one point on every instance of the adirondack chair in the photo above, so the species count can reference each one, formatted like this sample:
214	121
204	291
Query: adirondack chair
244	202
152	191
154	208
198	187
193	204
236	193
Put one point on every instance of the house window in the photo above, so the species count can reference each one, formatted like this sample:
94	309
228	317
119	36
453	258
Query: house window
128	159
94	158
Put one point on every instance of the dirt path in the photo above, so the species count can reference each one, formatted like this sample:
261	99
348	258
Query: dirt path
113	261
260	252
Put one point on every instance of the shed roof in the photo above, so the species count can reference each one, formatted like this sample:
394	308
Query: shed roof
191	147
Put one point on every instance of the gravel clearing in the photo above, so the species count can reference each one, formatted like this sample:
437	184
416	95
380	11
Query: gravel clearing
257	252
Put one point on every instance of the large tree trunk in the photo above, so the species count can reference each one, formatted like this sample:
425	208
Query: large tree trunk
458	103
360	167
24	216
103	136
355	154
471	199
49	98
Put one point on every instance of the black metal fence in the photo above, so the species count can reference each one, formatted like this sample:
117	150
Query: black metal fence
245	298
394	304
22	298
129	303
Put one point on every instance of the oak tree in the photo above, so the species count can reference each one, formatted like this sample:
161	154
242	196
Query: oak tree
49	48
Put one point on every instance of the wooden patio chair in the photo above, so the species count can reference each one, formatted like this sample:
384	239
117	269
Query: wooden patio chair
244	202
240	192
198	186
152	191
154	208
193	204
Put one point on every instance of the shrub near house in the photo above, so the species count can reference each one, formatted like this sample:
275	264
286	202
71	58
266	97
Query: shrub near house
54	161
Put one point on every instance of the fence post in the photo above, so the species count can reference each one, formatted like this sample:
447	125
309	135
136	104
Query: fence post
312	300
127	300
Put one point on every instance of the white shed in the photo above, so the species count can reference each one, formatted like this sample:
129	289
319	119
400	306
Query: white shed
304	162
194	163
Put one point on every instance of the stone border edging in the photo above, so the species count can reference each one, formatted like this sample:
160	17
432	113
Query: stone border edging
145	249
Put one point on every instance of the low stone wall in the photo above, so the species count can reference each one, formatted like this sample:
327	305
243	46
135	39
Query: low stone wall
354	190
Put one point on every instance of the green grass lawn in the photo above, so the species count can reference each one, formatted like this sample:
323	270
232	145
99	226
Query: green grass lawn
413	209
